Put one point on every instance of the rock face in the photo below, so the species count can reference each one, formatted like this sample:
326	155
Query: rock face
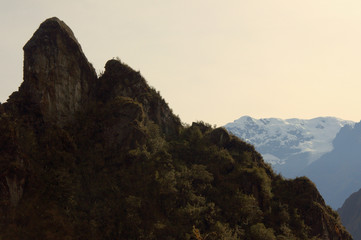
83	157
57	75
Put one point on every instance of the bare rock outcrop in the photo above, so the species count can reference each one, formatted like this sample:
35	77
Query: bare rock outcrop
57	75
83	157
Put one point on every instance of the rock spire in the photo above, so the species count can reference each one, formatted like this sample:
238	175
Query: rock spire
57	75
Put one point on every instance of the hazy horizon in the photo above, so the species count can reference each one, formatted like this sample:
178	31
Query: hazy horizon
212	61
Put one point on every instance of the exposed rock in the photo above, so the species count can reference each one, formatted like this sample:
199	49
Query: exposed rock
220	136
88	158
57	75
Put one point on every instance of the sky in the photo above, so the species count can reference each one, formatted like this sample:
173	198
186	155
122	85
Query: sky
212	60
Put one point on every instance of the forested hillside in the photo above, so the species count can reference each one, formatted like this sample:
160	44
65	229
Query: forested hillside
87	157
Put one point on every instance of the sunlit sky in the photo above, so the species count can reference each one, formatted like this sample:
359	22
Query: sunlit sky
212	60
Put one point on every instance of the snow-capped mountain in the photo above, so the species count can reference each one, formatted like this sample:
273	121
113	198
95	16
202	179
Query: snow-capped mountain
337	173
289	145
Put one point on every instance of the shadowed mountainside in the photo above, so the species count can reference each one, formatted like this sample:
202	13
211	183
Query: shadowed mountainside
350	214
84	157
337	173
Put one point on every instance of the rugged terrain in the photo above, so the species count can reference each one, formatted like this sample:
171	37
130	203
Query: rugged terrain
88	157
324	149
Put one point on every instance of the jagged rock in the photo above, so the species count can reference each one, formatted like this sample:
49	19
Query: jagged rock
57	75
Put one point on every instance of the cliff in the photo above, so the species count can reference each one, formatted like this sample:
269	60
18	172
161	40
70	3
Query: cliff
87	157
57	76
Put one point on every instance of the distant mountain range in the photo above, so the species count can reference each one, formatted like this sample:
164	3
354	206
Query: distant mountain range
337	174
325	149
289	145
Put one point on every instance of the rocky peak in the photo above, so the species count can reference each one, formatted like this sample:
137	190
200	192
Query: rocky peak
108	173
57	75
121	80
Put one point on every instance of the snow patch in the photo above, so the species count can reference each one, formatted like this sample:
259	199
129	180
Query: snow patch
279	139
272	159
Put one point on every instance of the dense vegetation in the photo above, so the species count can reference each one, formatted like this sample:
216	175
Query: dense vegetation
83	157
113	174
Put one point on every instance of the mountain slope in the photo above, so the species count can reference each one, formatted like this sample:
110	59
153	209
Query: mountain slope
289	145
105	158
350	214
337	173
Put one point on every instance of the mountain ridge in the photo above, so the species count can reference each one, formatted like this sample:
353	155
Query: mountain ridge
336	173
84	157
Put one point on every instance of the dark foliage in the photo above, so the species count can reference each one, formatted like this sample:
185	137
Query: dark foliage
114	162
112	175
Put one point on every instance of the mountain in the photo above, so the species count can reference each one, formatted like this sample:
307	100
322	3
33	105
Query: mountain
103	157
337	173
289	145
325	149
350	214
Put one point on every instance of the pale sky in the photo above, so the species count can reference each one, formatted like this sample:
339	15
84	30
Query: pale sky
212	60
